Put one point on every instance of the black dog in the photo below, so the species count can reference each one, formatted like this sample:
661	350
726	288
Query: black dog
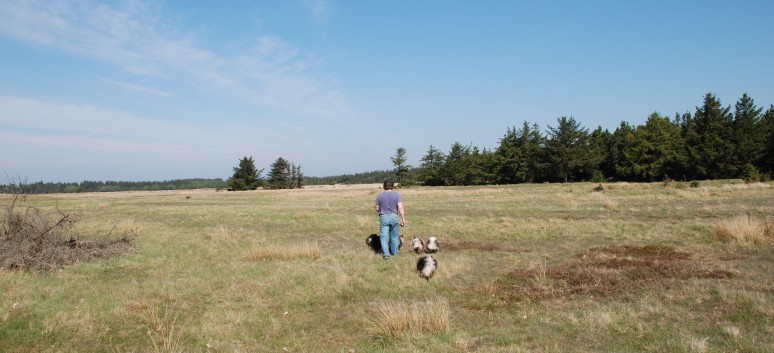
375	244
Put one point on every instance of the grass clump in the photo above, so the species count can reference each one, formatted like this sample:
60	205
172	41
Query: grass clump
397	319
164	334
283	252
745	230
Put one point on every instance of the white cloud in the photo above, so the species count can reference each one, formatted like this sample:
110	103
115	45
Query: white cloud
319	8
135	38
138	88
43	132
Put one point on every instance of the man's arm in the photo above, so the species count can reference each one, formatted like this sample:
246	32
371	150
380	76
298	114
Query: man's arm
402	215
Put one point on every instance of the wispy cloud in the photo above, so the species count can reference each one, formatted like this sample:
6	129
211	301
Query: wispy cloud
137	38
319	8
44	133
138	88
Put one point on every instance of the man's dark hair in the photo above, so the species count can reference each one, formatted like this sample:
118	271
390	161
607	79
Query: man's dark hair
388	184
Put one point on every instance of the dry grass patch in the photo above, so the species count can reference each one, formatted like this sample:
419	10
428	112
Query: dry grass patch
364	221
261	252
745	230
398	319
602	272
165	335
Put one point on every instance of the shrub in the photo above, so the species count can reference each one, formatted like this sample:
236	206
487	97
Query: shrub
31	239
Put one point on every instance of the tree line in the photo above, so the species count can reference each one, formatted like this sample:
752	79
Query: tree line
713	142
108	186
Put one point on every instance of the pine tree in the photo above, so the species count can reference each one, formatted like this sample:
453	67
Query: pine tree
246	176
431	166
482	168
748	135
401	168
299	177
518	156
292	178
568	151
600	142
456	169
656	148
709	141
279	174
766	164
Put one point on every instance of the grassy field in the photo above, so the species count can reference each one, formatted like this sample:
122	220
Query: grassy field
524	268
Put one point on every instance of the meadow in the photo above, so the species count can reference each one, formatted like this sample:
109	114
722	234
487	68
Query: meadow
659	267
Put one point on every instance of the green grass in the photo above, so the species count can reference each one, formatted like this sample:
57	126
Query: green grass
524	268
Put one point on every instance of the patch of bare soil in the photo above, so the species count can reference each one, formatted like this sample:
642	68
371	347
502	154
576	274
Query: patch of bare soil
474	245
603	272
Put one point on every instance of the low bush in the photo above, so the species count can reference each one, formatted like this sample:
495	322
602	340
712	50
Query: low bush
32	239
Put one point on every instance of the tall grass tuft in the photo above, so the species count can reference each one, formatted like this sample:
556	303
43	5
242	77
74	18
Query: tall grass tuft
394	320
283	252
164	334
745	230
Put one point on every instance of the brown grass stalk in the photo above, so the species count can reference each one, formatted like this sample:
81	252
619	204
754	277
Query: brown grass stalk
283	252
394	320
745	230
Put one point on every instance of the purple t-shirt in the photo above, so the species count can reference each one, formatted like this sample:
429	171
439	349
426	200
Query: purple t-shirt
388	202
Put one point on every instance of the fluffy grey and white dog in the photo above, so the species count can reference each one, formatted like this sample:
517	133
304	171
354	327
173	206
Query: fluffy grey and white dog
418	245
426	266
432	245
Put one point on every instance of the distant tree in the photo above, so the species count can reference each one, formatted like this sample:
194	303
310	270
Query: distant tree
766	164
246	176
619	154
401	168
709	144
518	156
599	142
293	177
749	134
654	149
280	174
299	184
430	167
457	168
568	151
483	167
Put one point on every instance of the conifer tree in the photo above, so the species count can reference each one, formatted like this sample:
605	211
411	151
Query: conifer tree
568	151
431	166
709	144
766	164
748	134
246	176
456	169
401	168
279	174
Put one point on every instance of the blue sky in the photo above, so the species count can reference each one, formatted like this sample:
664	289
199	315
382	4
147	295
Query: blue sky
157	90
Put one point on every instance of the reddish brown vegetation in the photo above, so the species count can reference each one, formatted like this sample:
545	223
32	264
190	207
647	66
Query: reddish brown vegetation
602	272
